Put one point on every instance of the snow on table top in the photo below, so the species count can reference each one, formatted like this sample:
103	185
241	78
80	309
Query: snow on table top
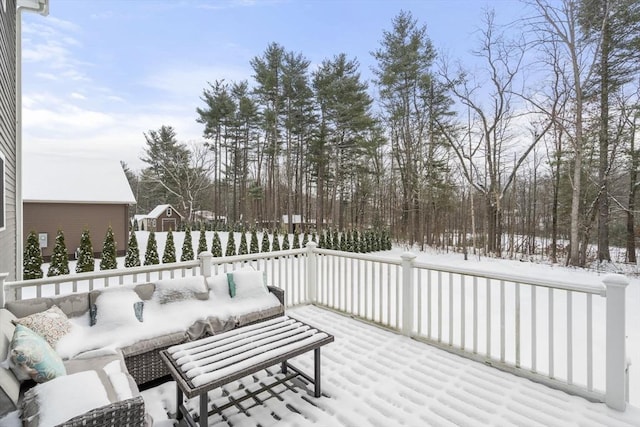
373	377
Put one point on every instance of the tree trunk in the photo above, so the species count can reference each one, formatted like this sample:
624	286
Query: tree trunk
603	166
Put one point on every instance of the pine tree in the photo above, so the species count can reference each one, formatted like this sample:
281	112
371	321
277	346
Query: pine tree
305	238
151	256
296	239
85	255
275	243
187	246
285	242
321	241
132	259
243	250
32	261
202	241
216	246
231	245
265	241
169	254
356	241
108	261
350	241
343	241
313	236
335	241
254	249
387	238
60	258
135	225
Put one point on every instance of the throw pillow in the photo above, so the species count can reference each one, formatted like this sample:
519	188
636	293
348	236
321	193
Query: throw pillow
52	324
31	353
232	285
247	283
219	285
117	307
180	289
138	308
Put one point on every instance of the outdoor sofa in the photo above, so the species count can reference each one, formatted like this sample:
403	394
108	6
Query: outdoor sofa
108	341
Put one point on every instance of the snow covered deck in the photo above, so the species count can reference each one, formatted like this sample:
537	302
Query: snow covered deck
373	377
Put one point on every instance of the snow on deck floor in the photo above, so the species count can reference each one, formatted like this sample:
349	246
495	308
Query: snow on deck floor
373	377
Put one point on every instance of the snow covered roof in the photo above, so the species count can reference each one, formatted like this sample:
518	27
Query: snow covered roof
158	210
65	179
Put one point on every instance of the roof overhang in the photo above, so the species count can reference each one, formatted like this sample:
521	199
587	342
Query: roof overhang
38	6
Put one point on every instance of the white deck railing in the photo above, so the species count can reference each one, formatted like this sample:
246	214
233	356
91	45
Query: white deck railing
539	329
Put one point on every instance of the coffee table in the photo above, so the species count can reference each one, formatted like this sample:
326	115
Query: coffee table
205	364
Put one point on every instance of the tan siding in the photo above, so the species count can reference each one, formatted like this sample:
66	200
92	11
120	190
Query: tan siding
8	134
72	219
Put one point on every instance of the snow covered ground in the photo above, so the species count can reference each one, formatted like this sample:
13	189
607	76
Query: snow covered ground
373	377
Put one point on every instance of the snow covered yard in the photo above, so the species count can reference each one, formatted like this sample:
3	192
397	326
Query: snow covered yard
373	377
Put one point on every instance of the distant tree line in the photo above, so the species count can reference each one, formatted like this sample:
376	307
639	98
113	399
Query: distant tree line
528	150
350	241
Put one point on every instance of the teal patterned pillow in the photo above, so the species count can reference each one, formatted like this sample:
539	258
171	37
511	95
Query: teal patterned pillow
31	353
232	285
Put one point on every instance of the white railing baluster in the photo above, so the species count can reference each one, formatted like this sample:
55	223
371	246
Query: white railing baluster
366	290
419	284
439	306
398	293
353	287
569	338
589	343
517	324
534	330
475	315
488	317
450	308
389	295
551	308
429	306
462	311
502	322
380	292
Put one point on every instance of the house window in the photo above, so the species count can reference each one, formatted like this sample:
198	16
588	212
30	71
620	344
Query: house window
3	204
153	222
169	211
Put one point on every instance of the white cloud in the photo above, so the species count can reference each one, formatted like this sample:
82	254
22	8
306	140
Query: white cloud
76	95
55	125
191	79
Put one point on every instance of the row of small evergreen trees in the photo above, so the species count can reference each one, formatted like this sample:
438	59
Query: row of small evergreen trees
349	241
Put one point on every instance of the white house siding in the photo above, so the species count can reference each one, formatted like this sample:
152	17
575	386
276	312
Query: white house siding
8	133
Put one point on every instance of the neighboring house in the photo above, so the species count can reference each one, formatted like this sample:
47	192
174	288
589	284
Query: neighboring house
162	218
297	223
10	132
72	194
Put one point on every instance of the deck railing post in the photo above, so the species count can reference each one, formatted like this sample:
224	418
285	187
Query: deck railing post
407	292
616	285
205	263
312	269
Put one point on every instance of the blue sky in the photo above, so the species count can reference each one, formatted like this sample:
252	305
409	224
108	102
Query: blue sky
97	74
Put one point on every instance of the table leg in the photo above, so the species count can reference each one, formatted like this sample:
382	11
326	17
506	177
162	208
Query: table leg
316	376
178	403
203	420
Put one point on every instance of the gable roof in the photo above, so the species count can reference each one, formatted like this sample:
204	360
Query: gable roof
64	179
159	210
